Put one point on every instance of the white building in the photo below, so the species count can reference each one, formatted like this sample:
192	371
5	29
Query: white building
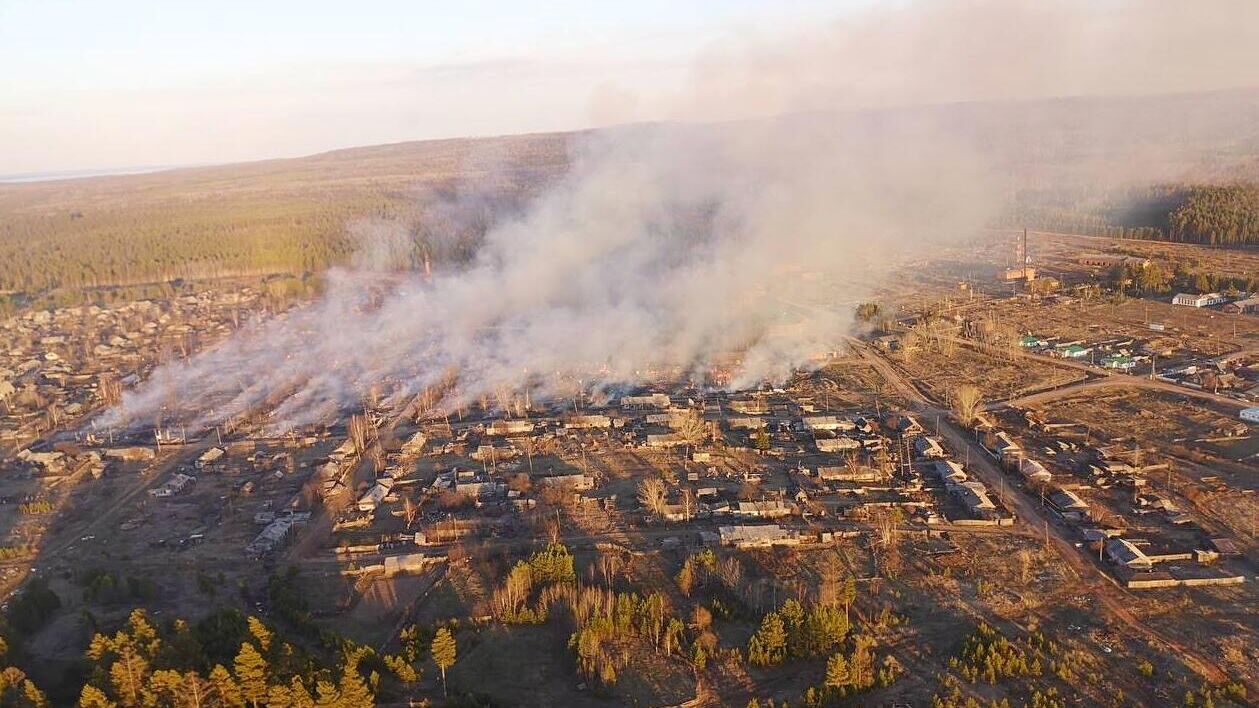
1191	300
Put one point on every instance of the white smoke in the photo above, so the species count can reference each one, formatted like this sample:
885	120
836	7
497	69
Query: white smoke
674	246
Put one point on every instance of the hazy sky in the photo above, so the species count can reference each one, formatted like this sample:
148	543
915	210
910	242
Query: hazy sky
131	83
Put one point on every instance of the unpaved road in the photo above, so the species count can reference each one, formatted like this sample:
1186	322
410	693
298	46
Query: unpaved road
1109	596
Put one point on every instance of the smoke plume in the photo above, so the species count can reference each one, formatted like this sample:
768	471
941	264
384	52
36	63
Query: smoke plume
675	246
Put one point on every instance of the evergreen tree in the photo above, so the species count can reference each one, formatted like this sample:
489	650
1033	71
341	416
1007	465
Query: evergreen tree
93	697
225	689
261	634
251	675
353	690
768	647
299	697
848	593
443	651
837	672
183	690
792	615
127	658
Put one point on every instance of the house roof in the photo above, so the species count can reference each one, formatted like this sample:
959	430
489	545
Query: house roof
1126	553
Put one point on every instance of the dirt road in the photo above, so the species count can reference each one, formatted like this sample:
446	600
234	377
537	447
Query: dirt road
1120	381
1109	596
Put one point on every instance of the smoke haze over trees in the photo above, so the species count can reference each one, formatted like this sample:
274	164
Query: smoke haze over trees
676	244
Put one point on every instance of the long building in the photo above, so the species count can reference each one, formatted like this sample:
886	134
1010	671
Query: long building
757	536
1204	300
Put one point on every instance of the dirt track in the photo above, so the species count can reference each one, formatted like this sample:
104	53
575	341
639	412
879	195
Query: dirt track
1108	595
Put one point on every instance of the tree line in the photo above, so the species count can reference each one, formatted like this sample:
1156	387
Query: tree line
1217	215
224	660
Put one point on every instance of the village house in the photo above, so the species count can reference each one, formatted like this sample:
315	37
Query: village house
375	495
903	424
209	457
765	509
757	536
1034	471
652	400
665	440
839	444
749	406
1069	504
131	454
928	447
825	422
276	533
949	471
576	482
509	427
1001	445
1247	306
841	473
1122	552
176	484
587	422
974	495
1074	350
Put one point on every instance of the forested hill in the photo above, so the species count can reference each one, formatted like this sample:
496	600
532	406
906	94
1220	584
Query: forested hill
1071	165
1225	215
273	216
1217	215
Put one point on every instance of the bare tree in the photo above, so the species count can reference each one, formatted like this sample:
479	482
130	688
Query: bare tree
359	429
551	526
609	566
110	390
651	494
520	483
410	511
688	503
730	571
852	462
910	342
691	427
967	402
